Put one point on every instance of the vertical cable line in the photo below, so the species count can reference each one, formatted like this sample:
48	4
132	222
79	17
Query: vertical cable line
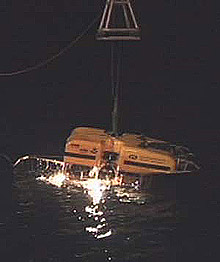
112	69
49	60
116	60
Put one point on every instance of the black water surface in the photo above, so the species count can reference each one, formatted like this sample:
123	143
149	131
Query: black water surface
49	224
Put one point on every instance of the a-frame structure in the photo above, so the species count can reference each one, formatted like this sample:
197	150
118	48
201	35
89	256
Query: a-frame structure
118	22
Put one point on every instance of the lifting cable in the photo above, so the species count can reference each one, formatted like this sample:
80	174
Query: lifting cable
116	64
47	61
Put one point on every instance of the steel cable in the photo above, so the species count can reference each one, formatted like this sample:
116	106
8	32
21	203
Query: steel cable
47	61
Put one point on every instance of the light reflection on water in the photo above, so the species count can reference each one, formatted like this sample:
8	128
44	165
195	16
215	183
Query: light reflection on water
98	192
77	214
94	216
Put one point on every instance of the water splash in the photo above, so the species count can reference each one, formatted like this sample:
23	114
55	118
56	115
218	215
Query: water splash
95	189
99	192
56	179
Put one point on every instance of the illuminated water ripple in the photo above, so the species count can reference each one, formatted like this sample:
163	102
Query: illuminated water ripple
55	223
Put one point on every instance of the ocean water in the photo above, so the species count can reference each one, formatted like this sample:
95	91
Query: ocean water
165	223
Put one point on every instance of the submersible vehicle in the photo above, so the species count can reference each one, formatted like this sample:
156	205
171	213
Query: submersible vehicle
126	154
109	154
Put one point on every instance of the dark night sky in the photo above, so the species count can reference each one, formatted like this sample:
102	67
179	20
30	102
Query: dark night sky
170	79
